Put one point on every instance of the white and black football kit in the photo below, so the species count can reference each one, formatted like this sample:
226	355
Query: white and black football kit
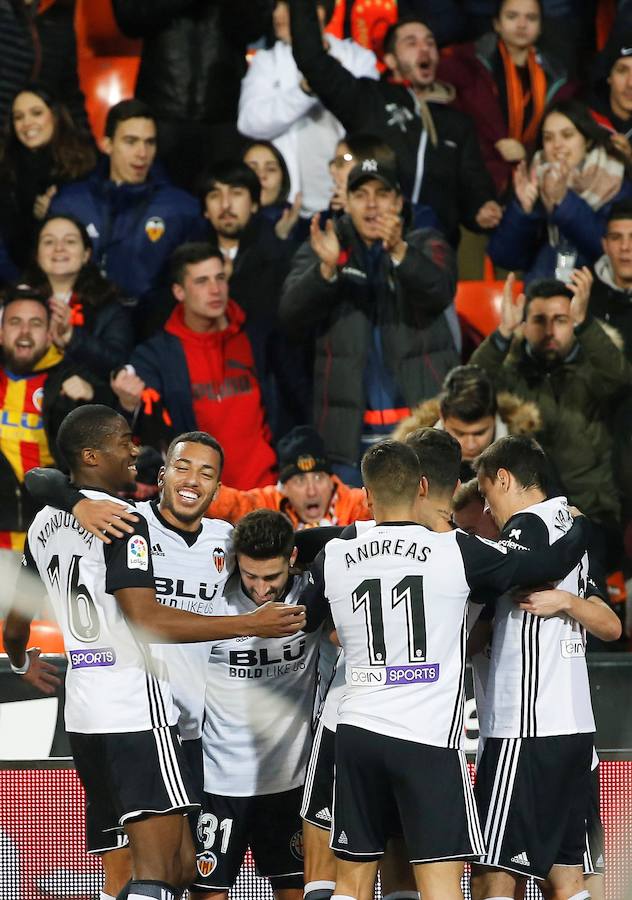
119	713
190	573
532	784
256	740
398	596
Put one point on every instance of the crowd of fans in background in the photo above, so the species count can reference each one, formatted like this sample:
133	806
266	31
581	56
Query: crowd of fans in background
268	251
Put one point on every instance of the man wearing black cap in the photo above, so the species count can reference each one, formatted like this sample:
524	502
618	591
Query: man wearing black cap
611	103
308	493
376	298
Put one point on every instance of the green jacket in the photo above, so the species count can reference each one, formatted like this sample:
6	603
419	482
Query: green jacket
576	400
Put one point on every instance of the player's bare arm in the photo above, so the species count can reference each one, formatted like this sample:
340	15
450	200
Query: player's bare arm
591	612
27	663
168	625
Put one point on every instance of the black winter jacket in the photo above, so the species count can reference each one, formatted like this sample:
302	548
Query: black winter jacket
193	55
409	310
453	177
40	47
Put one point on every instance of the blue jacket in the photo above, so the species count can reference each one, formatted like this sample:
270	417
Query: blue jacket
134	227
521	241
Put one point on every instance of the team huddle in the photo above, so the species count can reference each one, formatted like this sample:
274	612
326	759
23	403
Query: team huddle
191	718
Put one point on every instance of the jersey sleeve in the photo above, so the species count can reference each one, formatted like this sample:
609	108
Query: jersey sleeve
596	585
511	563
128	560
50	487
310	541
313	597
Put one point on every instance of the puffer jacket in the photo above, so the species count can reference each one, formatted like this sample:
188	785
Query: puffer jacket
575	399
408	308
194	53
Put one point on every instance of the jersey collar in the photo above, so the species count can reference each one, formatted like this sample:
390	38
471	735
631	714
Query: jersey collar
189	537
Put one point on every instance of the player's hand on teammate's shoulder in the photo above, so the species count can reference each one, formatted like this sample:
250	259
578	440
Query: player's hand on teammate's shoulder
104	518
41	674
277	620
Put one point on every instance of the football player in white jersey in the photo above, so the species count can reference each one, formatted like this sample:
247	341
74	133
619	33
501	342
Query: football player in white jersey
119	711
532	784
398	753
257	729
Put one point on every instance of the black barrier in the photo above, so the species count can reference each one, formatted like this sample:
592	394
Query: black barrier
37	734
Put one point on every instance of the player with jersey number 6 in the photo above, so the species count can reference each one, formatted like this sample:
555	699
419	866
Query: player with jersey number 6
119	713
398	596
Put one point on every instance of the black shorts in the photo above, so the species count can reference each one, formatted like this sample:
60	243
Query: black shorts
269	824
318	796
594	850
380	780
532	796
130	776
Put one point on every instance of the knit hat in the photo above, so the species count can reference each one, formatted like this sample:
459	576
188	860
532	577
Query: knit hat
621	47
300	451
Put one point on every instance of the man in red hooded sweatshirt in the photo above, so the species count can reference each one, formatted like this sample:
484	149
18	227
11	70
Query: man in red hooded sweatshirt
207	366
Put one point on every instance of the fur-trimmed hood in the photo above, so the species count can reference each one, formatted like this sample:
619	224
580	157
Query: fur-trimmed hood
515	416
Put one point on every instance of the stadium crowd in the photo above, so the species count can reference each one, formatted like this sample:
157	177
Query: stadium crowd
252	275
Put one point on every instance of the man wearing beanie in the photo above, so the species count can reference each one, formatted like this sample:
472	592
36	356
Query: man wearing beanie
307	492
611	100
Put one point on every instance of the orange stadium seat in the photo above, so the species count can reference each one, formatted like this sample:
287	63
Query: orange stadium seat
478	307
105	80
45	635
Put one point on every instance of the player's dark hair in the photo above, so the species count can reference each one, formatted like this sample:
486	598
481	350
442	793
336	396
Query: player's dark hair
86	426
620	210
439	457
468	394
390	470
196	437
390	38
465	494
234	173
520	455
264	534
126	109
188	255
544	289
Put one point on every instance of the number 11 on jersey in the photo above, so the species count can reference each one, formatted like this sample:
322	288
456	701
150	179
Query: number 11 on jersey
410	590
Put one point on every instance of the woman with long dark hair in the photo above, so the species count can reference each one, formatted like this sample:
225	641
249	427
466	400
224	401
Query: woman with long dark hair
40	150
268	164
556	219
88	321
504	82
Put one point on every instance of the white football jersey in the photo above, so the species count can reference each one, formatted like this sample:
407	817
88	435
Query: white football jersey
398	596
259	701
113	684
538	679
190	573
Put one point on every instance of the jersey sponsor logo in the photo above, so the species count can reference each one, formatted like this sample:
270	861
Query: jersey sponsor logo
219	558
206	863
521	858
342	838
323	814
266	657
137	553
573	648
156	550
426	673
296	845
38	398
170	592
89	659
154	228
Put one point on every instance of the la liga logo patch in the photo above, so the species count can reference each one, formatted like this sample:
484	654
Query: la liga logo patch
137	553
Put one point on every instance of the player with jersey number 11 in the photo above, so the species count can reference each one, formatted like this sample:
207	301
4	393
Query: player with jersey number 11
120	714
398	595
